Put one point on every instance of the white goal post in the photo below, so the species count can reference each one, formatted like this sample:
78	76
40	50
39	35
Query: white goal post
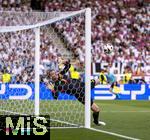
37	28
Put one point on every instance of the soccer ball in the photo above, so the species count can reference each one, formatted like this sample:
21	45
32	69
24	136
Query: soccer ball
108	49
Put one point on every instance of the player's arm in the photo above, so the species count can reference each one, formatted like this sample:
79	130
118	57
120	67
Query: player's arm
55	93
67	66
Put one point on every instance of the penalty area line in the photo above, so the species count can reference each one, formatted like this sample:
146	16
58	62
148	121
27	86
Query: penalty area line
114	134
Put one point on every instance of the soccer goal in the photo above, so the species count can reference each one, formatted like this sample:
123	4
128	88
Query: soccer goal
35	43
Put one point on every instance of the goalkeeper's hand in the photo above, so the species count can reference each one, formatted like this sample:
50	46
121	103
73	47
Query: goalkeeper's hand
50	86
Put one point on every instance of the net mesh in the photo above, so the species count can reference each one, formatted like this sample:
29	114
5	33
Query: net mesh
17	67
61	40
62	46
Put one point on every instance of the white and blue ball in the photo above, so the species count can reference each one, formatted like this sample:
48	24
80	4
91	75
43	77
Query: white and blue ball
108	48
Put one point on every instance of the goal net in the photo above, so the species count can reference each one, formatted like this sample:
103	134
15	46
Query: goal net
34	44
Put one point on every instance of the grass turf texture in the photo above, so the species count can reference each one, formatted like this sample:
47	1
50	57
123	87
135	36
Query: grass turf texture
80	134
129	118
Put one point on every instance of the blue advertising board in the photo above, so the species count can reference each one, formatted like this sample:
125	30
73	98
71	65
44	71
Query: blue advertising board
128	92
100	92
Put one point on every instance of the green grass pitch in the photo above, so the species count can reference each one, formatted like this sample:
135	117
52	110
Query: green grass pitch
128	118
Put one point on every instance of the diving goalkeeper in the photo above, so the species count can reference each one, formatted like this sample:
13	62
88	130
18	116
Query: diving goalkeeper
61	83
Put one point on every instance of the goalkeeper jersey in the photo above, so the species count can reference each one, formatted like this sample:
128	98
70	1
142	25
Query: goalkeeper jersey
70	86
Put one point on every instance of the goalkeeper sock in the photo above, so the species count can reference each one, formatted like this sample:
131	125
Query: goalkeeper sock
95	117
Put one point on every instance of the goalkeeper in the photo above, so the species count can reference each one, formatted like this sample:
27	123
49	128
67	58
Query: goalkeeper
61	83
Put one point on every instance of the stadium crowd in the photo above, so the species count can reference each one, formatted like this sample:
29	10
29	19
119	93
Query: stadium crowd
125	26
17	49
15	5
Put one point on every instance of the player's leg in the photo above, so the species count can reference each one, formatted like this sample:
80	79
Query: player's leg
94	107
96	112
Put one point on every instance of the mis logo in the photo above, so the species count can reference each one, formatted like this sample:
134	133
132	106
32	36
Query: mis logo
25	126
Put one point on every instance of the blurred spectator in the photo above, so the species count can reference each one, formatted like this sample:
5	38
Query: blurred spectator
6	76
123	23
127	78
126	27
74	74
36	4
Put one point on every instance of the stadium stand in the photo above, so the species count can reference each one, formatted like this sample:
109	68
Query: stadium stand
123	23
112	21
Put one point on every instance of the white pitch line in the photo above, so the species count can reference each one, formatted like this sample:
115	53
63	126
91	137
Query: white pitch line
114	134
102	131
13	112
64	122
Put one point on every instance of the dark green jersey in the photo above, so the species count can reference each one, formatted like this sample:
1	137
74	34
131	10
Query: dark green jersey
70	86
